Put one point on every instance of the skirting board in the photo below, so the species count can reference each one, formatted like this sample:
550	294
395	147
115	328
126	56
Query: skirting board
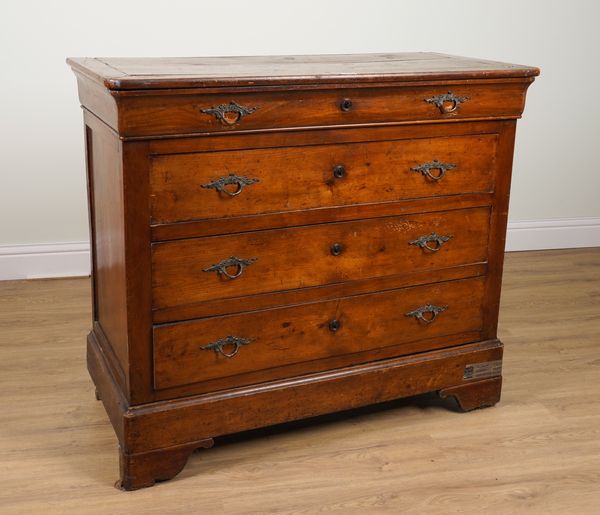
73	259
44	260
562	233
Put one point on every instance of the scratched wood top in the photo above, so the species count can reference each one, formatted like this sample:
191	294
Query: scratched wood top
127	73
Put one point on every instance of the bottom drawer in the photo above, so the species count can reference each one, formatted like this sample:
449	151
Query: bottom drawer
231	345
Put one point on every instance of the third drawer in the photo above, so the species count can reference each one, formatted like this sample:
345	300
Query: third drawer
233	345
237	265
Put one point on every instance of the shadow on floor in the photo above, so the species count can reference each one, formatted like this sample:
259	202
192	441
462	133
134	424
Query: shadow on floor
427	400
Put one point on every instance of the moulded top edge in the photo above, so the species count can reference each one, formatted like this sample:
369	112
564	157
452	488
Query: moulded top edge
124	73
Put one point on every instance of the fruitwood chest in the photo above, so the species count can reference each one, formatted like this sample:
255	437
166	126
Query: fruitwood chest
275	238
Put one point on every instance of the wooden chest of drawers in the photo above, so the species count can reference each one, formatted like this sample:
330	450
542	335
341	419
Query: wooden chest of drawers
280	237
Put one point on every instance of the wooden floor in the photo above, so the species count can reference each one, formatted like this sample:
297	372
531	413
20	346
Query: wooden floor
537	452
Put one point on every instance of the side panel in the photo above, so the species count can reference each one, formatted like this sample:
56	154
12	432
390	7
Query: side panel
498	223
105	181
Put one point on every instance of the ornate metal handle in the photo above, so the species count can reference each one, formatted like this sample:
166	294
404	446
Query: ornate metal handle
222	266
220	183
222	111
446	103
429	308
424	241
425	169
234	341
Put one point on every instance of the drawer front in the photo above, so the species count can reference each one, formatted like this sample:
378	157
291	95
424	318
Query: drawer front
220	267
244	182
161	114
226	346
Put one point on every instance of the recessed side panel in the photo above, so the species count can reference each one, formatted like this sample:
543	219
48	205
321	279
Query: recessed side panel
108	243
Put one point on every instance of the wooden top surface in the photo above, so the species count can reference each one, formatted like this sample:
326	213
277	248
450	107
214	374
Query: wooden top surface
128	73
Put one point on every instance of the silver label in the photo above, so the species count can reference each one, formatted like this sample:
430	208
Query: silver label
483	370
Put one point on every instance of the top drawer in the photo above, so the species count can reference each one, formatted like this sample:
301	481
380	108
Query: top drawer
163	114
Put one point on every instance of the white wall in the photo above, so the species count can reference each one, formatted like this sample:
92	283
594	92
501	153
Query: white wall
42	188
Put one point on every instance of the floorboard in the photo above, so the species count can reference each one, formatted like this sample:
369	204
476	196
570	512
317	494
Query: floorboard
538	451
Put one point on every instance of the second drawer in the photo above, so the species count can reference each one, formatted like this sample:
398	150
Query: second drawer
237	265
270	180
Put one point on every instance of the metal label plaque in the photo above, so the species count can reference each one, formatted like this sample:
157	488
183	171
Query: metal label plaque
483	370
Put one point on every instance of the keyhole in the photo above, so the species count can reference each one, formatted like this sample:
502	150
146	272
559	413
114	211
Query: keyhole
334	325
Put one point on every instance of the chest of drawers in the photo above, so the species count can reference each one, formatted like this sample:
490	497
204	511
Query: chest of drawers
275	238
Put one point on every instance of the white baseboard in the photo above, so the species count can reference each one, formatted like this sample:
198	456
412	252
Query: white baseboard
73	259
562	233
44	260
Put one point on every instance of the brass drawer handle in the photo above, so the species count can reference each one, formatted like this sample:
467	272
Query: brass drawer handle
222	266
446	103
425	169
424	241
221	183
419	313
229	114
234	341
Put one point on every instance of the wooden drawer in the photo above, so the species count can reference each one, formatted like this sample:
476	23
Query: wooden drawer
184	271
269	180
197	351
162	114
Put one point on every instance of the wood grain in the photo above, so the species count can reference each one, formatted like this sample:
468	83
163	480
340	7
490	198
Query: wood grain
184	72
140	98
329	136
303	334
304	177
105	176
301	257
538	451
326	292
165	113
183	421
